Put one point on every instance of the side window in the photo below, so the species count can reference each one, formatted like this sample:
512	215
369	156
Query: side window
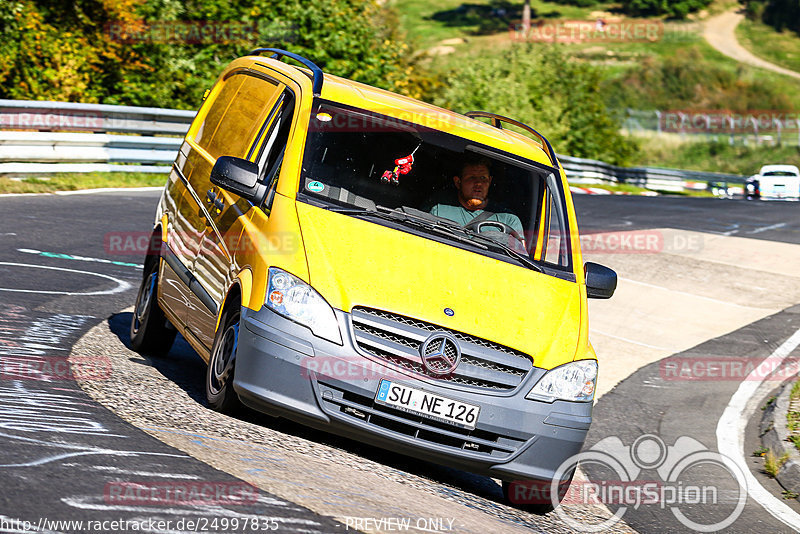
236	115
270	146
551	234
217	110
556	249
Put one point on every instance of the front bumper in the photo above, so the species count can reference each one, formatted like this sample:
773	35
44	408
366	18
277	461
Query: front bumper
284	370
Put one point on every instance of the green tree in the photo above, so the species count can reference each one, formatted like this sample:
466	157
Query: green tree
780	14
113	52
671	8
542	87
686	80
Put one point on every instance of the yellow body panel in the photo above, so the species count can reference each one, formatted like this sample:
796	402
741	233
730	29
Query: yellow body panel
359	263
353	262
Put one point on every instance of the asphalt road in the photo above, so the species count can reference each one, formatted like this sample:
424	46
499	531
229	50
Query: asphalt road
63	456
773	221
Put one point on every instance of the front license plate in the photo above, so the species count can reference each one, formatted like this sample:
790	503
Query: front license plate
427	404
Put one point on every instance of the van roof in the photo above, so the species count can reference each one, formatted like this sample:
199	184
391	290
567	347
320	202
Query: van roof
779	168
363	96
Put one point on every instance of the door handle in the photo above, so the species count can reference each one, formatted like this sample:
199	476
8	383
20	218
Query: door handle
213	198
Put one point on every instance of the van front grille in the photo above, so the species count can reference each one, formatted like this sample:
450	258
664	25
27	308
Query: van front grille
398	339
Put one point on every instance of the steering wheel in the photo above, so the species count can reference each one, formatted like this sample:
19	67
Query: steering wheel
504	228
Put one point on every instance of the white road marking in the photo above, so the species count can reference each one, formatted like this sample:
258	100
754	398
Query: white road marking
765	228
88	191
122	285
59	255
731	428
631	341
109	190
118	471
693	295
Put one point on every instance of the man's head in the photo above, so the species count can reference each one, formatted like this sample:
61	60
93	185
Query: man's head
473	183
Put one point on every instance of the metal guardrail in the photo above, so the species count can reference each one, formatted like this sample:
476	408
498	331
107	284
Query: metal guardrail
589	171
44	137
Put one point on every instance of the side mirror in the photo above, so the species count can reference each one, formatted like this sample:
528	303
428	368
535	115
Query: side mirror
600	281
240	177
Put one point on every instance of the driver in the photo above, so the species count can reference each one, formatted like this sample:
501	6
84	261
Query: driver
472	184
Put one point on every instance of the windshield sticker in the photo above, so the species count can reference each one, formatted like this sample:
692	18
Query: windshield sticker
315	187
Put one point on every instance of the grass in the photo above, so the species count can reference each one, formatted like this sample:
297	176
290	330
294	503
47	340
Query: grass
672	151
616	188
781	48
773	464
427	23
793	418
77	181
635	190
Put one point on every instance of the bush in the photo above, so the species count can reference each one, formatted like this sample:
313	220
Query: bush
540	86
686	80
579	3
782	14
675	9
49	52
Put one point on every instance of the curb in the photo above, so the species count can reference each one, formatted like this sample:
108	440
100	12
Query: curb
87	191
775	436
576	190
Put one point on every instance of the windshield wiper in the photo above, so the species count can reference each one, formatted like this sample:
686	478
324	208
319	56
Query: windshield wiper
411	219
429	222
508	250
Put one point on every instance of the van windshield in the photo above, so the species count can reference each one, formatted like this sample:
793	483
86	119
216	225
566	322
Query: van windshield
432	183
780	173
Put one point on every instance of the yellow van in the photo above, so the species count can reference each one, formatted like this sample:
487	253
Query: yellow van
377	267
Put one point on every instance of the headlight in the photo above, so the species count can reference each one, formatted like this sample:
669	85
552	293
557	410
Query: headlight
298	301
574	381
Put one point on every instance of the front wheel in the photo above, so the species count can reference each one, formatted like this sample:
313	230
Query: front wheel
150	332
219	375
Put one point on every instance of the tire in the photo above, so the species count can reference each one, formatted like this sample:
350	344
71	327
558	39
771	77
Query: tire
543	504
150	332
219	375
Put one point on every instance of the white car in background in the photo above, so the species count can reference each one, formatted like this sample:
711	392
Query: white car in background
774	182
